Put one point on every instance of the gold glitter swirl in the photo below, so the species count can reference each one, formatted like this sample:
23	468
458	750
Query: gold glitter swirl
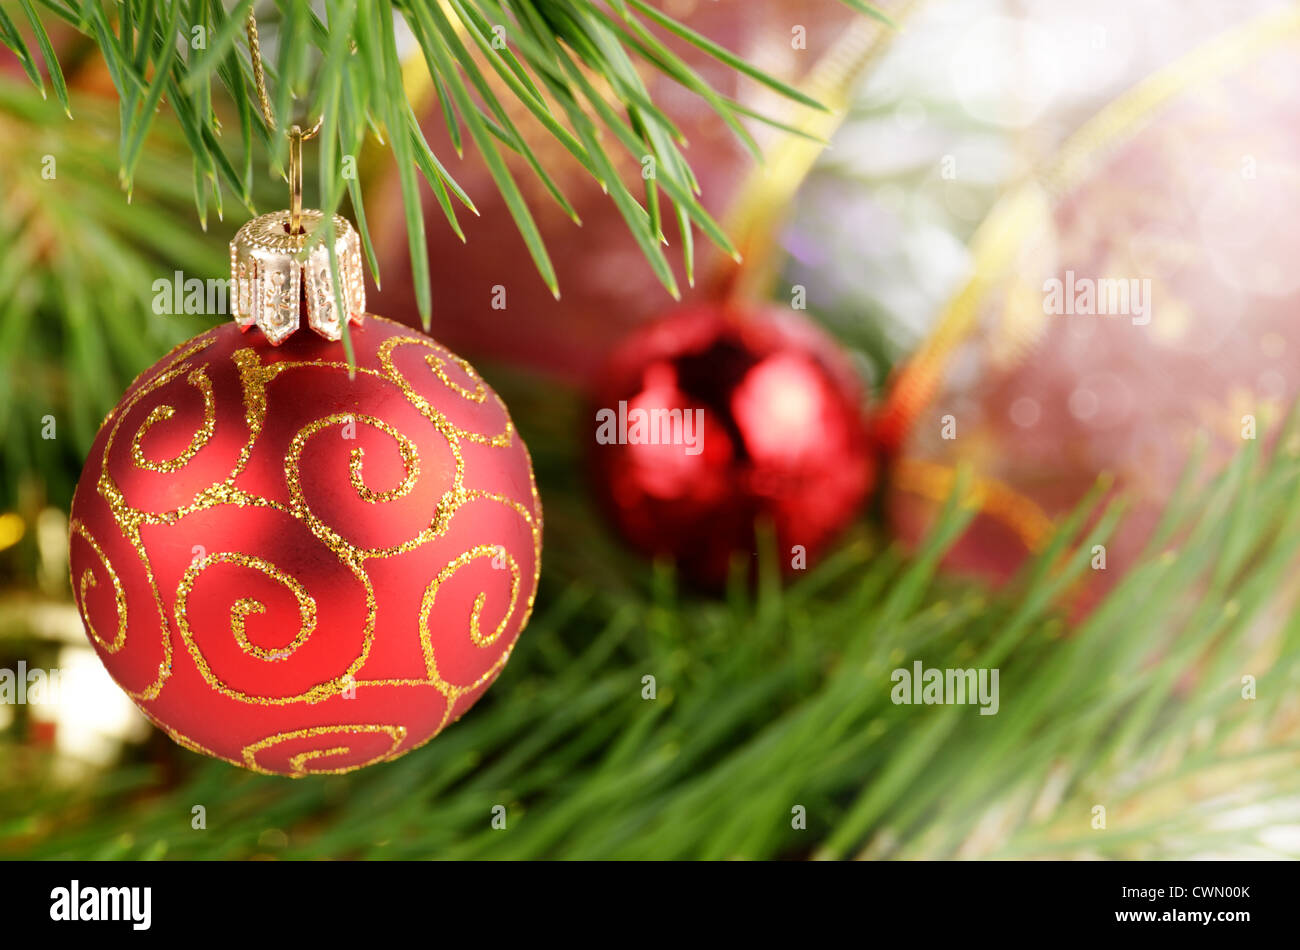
130	519
438	366
406	447
534	529
433	677
426	605
496	552
240	610
411	461
199	379
247	605
177	354
88	581
298	762
440	421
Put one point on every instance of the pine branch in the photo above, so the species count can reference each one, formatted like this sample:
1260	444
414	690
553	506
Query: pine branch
553	56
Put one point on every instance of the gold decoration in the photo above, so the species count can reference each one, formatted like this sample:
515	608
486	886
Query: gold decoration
88	581
296	763
161	413
278	272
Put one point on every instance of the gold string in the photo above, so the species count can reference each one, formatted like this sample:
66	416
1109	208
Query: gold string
296	135
259	76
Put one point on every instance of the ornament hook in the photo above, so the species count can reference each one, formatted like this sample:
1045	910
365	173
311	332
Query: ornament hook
295	180
296	137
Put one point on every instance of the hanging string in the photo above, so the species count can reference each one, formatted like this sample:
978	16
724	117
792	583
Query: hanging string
296	135
259	75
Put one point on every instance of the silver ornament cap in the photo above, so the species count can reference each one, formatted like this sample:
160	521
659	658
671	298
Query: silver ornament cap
281	273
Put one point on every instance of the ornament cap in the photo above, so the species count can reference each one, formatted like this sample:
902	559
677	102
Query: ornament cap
281	275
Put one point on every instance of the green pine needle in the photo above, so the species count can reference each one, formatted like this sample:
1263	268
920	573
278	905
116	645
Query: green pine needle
174	51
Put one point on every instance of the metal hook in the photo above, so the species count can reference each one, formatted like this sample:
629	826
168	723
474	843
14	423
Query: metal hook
296	137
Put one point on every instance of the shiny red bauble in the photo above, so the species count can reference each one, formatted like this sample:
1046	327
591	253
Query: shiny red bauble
298	572
714	418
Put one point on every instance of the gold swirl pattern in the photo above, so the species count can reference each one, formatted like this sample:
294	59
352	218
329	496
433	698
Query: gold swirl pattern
298	762
247	605
228	476
440	421
410	460
88	581
439	367
129	520
426	606
244	606
160	413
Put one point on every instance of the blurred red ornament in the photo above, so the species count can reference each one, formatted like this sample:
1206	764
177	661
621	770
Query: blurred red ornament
1140	295
712	418
299	572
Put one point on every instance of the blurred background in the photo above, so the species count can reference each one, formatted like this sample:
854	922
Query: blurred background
983	147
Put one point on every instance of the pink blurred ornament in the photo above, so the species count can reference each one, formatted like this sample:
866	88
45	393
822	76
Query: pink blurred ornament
1143	291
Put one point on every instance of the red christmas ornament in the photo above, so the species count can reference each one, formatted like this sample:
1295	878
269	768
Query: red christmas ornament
712	418
298	572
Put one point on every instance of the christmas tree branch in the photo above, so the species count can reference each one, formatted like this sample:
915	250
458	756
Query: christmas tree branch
572	64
